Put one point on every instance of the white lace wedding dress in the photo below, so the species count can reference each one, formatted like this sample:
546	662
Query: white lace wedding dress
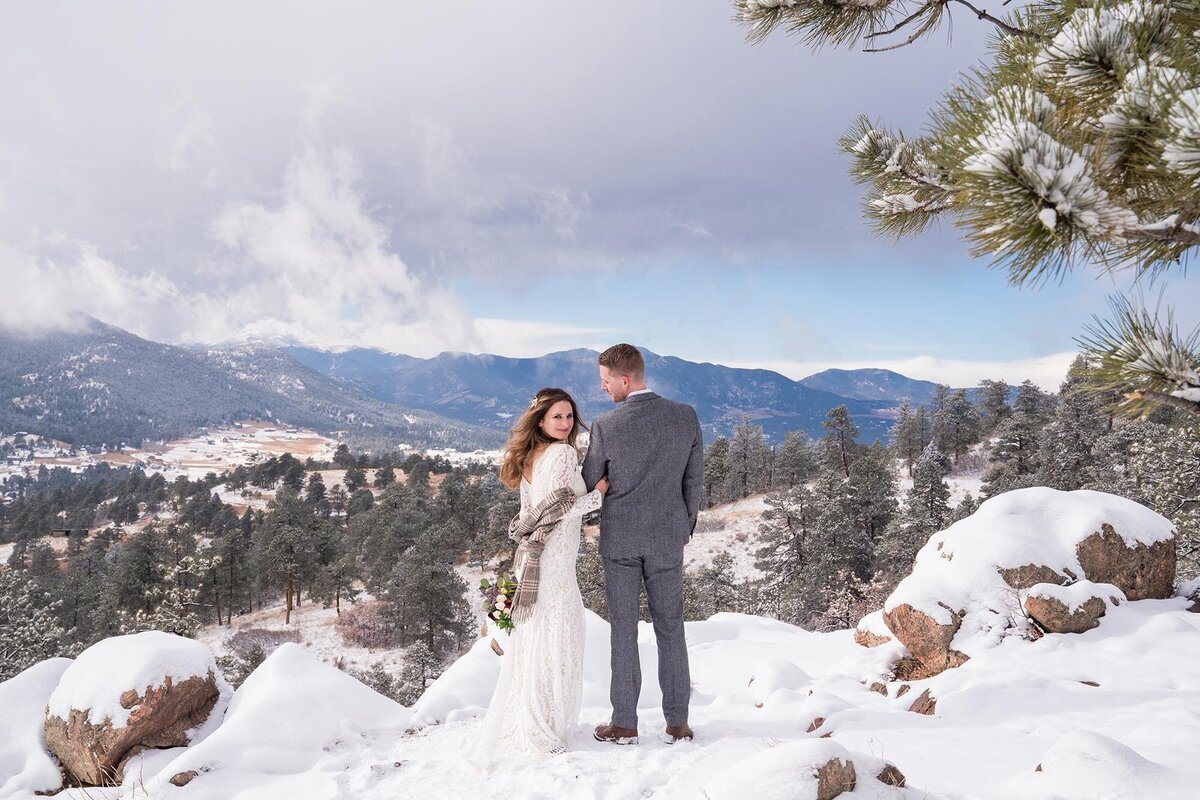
536	704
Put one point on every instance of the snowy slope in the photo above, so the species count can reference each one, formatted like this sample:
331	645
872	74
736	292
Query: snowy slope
1018	705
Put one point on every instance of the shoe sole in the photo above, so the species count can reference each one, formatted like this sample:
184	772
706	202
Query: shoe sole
617	740
674	740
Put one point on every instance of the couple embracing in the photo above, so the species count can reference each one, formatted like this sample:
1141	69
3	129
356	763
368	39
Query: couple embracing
644	470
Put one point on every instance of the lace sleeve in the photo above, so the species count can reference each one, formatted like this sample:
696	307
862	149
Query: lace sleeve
564	471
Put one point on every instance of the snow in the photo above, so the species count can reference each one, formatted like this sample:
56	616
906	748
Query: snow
301	729
1048	217
730	528
1086	764
25	763
1078	593
282	721
139	661
957	568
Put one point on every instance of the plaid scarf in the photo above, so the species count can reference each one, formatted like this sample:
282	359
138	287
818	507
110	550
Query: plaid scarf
530	531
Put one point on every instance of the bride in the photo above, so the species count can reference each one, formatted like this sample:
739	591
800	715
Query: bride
536	703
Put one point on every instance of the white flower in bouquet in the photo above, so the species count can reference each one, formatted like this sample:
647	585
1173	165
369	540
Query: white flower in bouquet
497	614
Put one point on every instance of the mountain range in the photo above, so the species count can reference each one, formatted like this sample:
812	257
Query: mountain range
489	391
101	384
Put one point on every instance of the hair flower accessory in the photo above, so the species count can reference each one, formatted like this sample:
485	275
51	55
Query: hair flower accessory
533	403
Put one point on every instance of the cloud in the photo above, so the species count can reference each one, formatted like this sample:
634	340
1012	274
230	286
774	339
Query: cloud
1046	371
45	293
188	133
529	339
309	266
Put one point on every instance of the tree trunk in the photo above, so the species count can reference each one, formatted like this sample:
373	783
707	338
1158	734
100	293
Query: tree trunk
287	617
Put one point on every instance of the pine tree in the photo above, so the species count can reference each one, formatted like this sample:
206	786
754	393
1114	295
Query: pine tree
926	511
840	541
1079	421
1169	472
315	494
993	403
426	599
906	435
965	508
1016	451
747	461
872	490
957	425
355	479
712	589
840	439
285	550
788	536
384	477
795	462
716	472
422	667
29	631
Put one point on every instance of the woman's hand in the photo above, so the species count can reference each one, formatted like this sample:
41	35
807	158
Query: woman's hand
602	486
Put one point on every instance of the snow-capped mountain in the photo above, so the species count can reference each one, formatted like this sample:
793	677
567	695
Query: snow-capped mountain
872	384
490	390
101	384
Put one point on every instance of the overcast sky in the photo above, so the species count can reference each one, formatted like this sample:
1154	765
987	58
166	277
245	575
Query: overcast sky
513	178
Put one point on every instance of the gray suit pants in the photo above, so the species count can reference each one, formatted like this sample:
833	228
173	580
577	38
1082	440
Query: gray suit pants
663	576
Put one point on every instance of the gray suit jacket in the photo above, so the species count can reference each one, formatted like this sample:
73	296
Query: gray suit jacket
652	451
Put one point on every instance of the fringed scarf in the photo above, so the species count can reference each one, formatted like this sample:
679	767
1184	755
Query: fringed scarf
530	530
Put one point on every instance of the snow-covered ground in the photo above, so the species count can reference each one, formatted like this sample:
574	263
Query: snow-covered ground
730	528
316	627
1111	713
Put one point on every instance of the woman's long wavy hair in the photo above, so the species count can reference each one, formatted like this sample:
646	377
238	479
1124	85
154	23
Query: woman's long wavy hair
526	436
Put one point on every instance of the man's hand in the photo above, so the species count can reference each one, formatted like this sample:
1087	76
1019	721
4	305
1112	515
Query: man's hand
602	486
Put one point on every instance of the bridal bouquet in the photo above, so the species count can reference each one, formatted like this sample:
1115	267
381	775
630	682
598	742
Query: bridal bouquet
498	600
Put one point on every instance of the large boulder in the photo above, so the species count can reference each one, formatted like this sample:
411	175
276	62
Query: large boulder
128	693
965	591
1070	609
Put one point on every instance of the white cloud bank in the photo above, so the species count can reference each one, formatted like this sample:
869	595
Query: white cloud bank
1046	371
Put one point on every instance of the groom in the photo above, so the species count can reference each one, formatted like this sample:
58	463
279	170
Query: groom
651	451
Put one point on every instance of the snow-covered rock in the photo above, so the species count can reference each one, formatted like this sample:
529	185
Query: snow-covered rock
1074	608
128	693
816	769
872	631
964	593
25	762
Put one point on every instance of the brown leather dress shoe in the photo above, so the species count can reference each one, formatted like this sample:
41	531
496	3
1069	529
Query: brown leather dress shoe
679	733
615	734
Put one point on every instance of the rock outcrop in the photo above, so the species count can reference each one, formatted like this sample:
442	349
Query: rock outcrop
127	694
968	581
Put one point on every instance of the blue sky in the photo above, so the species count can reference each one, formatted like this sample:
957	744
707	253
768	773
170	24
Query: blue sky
485	177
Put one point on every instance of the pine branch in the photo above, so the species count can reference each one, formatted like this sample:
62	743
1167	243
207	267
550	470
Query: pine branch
1144	359
1173	231
907	20
1162	398
917	34
1011	30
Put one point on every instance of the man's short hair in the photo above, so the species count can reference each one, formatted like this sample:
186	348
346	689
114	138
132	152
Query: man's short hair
623	359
